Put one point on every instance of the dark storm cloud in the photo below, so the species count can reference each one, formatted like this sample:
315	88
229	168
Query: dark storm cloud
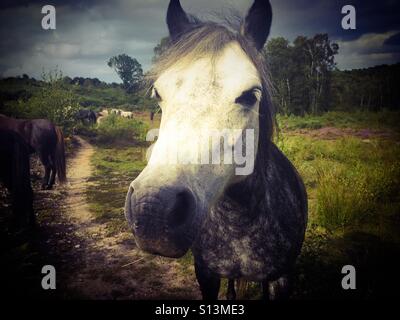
394	40
311	16
85	38
90	32
6	4
377	16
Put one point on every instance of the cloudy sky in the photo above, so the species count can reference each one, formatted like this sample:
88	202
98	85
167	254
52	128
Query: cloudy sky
89	32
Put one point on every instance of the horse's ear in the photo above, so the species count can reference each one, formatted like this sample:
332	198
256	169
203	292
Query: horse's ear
177	20
257	24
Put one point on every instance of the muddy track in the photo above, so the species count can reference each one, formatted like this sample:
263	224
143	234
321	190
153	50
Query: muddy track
111	266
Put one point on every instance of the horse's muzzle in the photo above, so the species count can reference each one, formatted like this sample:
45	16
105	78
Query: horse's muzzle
163	220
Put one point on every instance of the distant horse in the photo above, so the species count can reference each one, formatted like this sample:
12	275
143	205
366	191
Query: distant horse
116	112
44	138
103	112
15	174
126	114
102	115
239	225
86	116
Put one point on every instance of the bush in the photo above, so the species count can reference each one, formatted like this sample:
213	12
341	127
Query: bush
53	101
114	129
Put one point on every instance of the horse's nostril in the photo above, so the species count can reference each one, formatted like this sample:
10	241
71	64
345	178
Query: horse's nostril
182	209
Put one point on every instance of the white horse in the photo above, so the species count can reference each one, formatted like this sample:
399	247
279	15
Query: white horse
102	115
238	226
116	112
126	114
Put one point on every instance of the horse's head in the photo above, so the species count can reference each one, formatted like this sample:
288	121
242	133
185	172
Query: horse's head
210	84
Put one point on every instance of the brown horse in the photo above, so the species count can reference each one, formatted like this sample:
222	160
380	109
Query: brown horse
14	173
44	138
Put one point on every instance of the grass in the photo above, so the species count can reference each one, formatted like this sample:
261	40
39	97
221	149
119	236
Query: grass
352	185
348	180
114	170
115	130
355	120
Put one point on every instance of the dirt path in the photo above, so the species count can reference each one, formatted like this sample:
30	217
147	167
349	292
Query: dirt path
111	267
79	172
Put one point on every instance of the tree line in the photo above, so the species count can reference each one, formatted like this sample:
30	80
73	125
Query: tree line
371	89
305	79
301	73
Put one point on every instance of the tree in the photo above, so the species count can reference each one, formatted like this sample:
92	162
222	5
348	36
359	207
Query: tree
370	89
128	69
301	73
54	101
280	64
319	56
160	48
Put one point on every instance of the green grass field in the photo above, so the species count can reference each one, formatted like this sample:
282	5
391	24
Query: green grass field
352	179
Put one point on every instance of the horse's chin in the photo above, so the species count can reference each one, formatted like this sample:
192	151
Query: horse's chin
168	251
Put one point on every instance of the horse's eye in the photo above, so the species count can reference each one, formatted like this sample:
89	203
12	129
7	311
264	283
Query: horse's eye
248	98
155	94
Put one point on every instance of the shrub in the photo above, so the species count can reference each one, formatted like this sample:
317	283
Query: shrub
114	129
53	102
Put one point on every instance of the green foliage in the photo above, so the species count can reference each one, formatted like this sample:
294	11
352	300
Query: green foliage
301	73
371	89
106	97
305	79
340	119
352	187
114	169
16	92
114	129
129	70
349	181
355	194
52	100
160	48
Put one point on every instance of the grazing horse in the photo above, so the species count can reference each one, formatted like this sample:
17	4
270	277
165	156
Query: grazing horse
126	114
103	113
239	225
86	116
44	138
116	112
15	174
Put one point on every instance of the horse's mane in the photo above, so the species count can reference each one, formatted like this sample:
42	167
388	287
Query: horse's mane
209	39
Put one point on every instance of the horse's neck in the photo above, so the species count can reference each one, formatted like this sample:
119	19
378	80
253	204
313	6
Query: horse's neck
242	202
